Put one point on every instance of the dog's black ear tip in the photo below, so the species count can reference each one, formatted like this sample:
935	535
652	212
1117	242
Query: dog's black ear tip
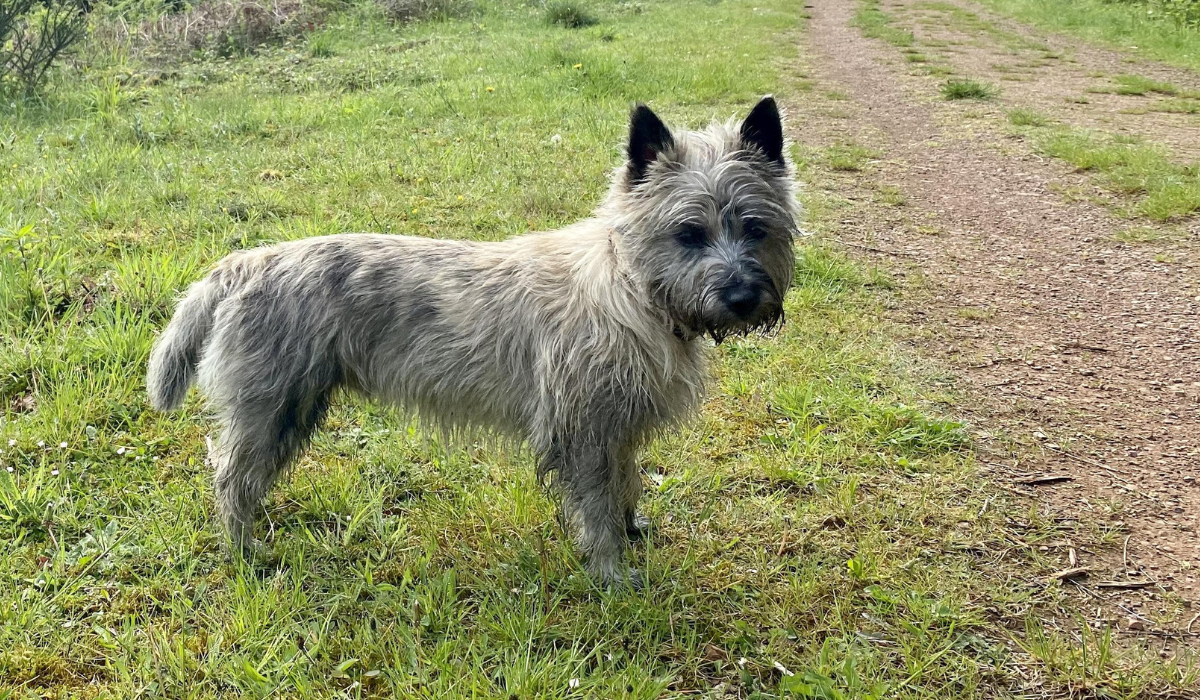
763	129
648	138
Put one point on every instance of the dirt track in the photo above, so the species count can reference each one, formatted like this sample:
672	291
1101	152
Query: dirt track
1079	351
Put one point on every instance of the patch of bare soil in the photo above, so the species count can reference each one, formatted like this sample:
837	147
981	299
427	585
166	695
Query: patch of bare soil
1079	353
1068	81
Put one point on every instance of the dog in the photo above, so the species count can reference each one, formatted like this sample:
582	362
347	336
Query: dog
581	343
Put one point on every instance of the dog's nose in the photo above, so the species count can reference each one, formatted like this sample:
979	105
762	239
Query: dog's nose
742	299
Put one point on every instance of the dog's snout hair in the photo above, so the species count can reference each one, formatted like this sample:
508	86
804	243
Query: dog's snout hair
581	343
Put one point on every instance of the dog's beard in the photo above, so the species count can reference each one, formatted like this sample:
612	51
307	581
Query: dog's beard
766	325
720	325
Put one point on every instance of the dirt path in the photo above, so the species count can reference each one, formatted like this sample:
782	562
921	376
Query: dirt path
1080	352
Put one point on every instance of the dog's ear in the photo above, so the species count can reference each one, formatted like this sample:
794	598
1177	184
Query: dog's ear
648	138
763	129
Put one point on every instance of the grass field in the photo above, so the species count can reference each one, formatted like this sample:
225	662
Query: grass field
822	531
1124	24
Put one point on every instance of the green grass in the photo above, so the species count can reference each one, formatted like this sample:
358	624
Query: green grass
967	89
1027	117
824	513
1162	189
848	157
1140	85
1123	25
970	22
877	24
1140	234
1178	106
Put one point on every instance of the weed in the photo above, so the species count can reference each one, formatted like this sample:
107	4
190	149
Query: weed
967	89
1027	117
320	45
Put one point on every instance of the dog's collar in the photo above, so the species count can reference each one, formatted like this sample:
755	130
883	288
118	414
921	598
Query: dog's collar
676	330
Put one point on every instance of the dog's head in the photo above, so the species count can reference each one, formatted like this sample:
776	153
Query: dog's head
706	220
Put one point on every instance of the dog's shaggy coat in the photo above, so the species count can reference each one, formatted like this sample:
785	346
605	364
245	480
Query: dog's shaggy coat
582	342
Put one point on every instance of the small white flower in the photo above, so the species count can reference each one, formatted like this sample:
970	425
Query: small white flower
154	458
41	443
573	683
120	450
743	661
53	472
10	470
62	445
556	139
12	443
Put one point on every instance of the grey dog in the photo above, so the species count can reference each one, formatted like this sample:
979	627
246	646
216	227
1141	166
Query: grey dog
581	343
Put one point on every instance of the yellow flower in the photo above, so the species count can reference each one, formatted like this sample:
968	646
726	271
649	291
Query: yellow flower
577	66
489	88
460	198
414	210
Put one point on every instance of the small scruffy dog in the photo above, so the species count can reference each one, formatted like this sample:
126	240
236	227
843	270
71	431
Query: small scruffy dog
582	343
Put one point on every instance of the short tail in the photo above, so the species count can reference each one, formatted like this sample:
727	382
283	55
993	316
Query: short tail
177	352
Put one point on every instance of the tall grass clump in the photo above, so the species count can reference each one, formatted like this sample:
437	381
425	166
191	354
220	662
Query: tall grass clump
569	14
967	89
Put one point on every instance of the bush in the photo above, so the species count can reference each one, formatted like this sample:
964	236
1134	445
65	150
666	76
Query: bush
220	27
569	14
404	11
33	35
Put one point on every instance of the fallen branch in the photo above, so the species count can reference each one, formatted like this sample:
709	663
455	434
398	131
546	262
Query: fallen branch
1120	585
1068	574
1045	479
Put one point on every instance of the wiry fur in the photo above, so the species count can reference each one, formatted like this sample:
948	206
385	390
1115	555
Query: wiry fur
582	342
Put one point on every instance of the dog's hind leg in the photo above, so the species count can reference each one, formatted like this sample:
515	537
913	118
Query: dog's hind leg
259	441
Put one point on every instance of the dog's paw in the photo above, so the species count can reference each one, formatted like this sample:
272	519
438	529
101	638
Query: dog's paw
637	528
618	576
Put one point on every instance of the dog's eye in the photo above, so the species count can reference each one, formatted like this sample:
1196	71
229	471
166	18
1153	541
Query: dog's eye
753	230
692	236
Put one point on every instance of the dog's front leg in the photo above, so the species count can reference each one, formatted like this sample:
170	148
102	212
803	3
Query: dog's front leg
594	505
637	526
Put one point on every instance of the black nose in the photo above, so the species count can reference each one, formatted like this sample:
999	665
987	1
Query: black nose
742	299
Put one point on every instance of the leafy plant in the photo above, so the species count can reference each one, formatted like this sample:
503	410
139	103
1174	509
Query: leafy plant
33	35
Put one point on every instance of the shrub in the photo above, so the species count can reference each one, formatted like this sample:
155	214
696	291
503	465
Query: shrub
33	35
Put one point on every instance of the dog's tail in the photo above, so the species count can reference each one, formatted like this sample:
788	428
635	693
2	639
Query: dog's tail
177	352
